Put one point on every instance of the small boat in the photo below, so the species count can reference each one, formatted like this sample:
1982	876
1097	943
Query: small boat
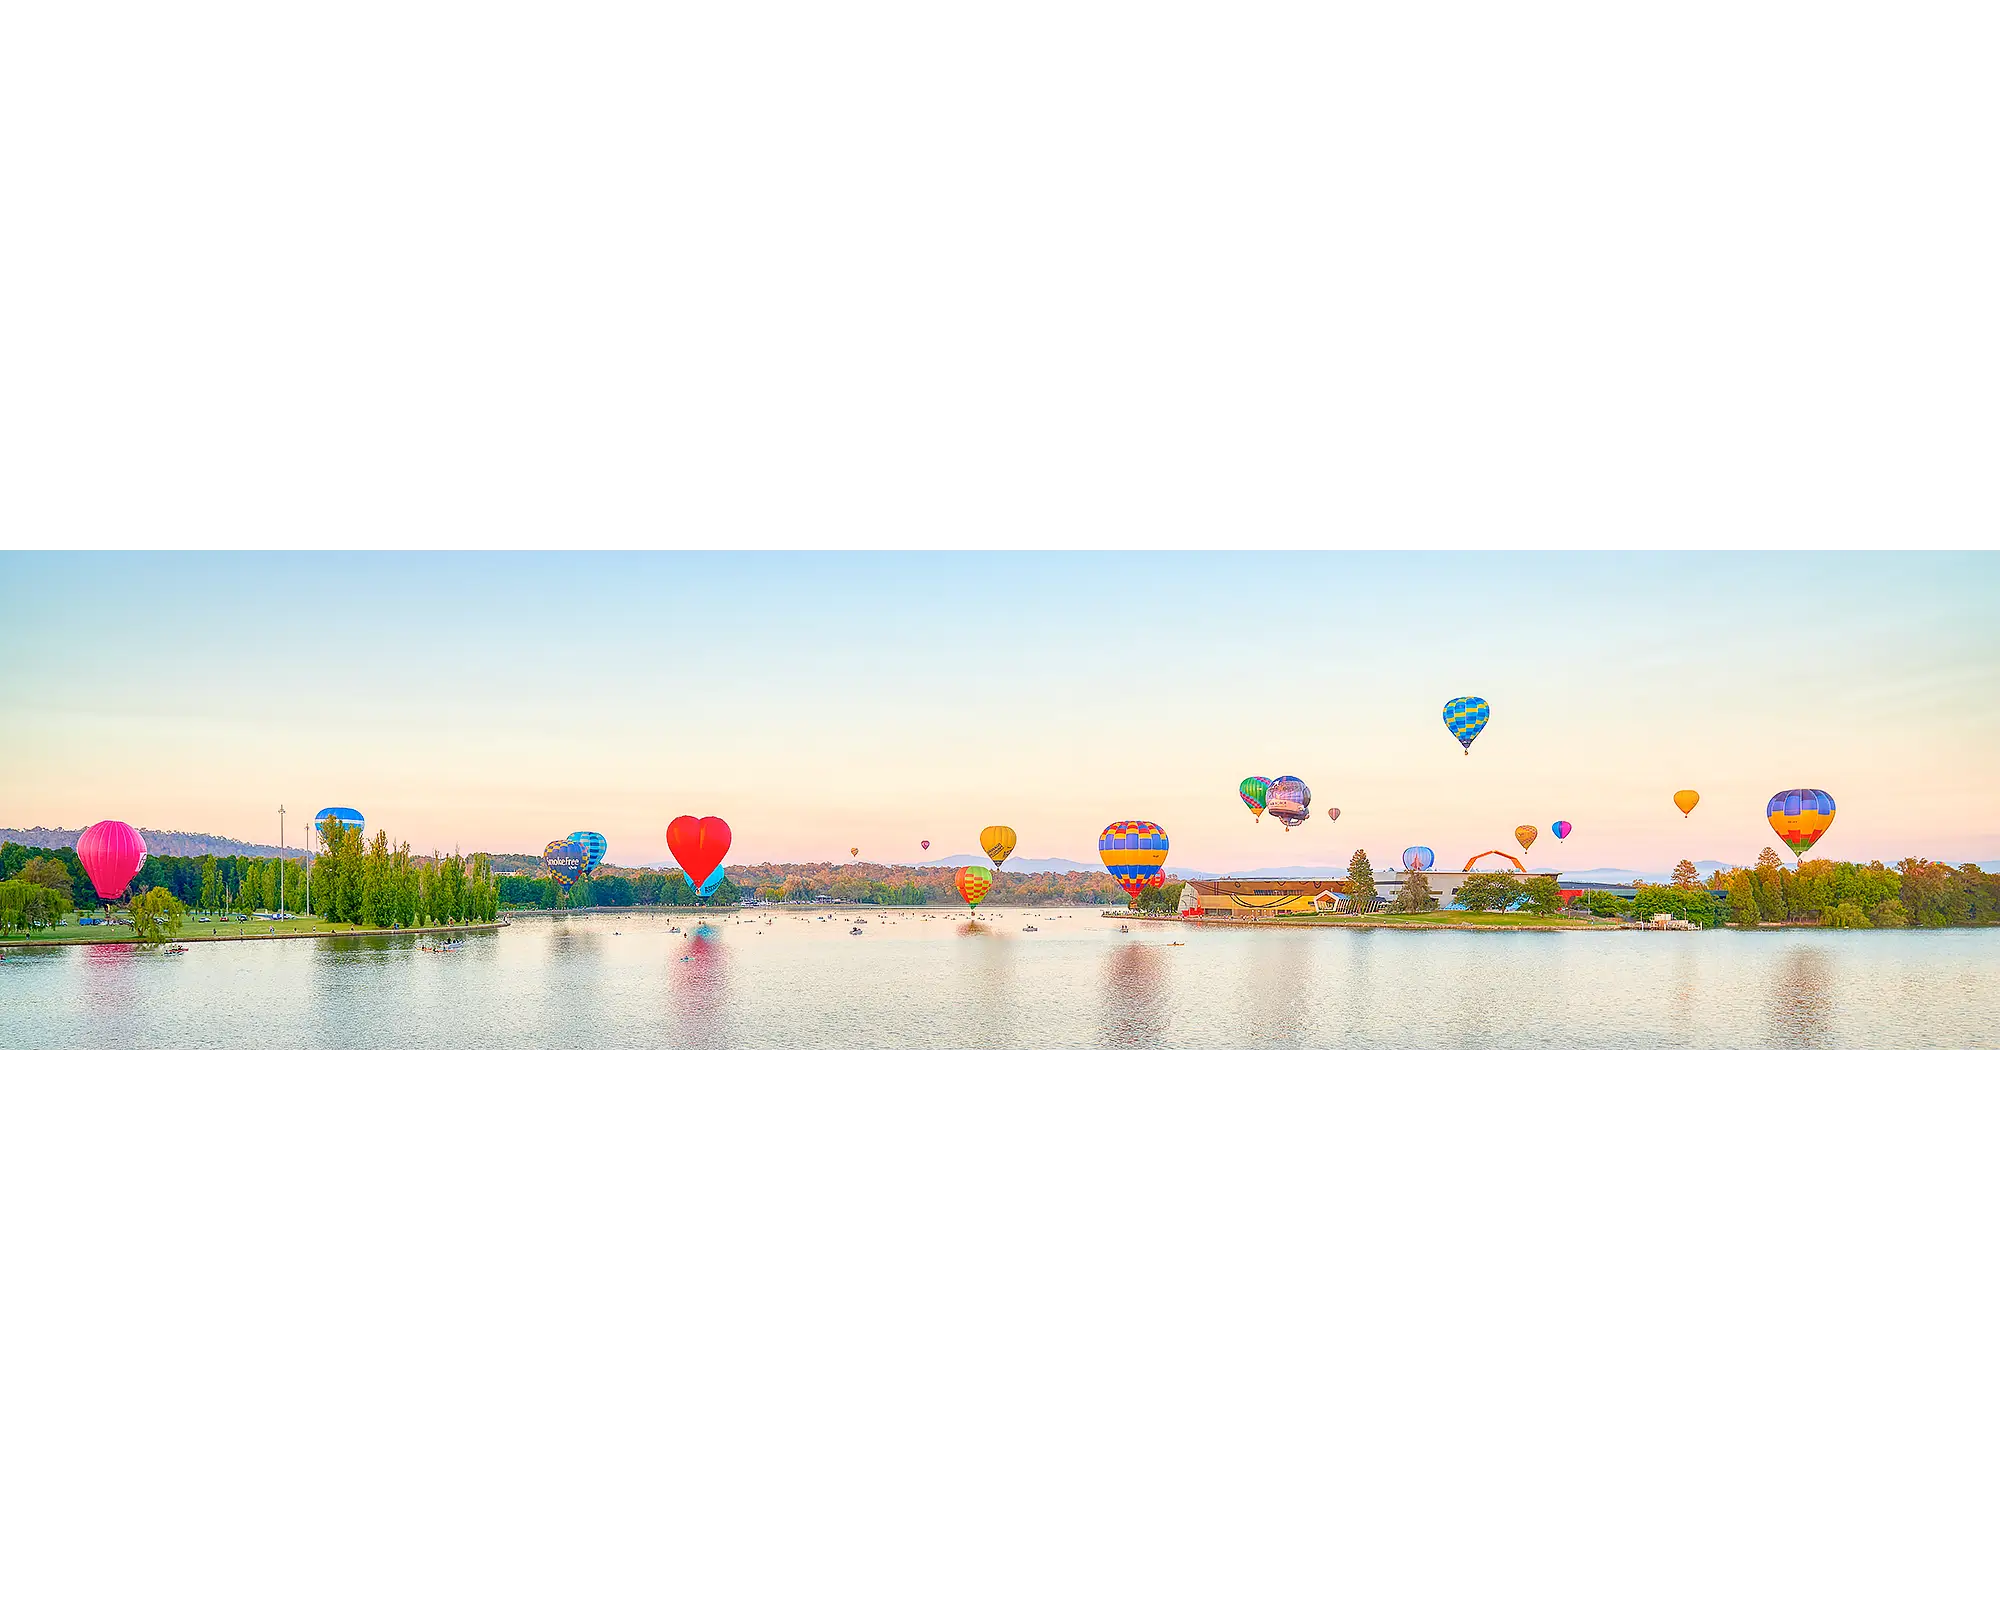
1029	927
176	950
856	929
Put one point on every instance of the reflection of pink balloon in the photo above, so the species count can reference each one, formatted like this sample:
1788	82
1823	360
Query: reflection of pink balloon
111	853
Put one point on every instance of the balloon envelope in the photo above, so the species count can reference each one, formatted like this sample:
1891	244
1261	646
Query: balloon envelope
1419	857
111	853
1333	813
698	844
563	860
998	842
346	816
1686	799
1527	834
1289	800
1253	791
1466	716
1133	853
1559	829
1800	817
593	849
925	843
711	883
973	883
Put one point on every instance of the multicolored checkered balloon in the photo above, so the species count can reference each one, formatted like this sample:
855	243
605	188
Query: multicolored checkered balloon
1800	817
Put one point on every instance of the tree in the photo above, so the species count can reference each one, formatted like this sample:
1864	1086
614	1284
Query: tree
1488	891
1361	883
45	872
1414	893
1845	915
211	893
1685	877
156	916
1542	896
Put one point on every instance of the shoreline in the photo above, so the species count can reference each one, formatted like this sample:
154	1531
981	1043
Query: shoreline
257	938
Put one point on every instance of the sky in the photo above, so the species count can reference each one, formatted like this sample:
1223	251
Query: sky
821	700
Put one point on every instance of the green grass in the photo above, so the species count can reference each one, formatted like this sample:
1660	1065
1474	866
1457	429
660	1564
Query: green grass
193	932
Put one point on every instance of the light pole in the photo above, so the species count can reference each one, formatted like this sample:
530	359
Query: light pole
281	862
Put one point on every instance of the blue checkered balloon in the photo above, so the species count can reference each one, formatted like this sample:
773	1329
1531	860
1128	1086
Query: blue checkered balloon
1465	716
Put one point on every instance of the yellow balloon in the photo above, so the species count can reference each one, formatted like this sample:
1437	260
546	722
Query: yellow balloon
1686	799
997	841
1527	833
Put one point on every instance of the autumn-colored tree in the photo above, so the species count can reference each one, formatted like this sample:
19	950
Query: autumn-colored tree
1685	877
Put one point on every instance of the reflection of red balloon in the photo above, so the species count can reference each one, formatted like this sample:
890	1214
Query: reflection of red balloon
698	844
111	852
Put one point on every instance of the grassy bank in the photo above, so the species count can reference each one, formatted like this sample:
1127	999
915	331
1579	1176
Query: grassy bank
1503	921
193	932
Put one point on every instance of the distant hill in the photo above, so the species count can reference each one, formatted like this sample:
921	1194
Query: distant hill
159	842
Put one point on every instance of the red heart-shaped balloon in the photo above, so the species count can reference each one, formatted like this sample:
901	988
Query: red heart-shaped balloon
698	844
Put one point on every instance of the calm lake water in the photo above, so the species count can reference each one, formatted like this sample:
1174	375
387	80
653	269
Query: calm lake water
916	979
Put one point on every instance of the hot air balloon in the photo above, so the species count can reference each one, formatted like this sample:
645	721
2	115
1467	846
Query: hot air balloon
1133	853
711	883
998	843
1289	800
698	844
593	849
1686	799
1253	791
925	843
973	884
563	860
112	854
1527	834
1559	829
346	816
854	850
1800	817
1418	857
1466	716
1333	813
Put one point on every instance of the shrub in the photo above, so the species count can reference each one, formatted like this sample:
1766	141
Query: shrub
1602	903
1845	915
1414	894
1890	914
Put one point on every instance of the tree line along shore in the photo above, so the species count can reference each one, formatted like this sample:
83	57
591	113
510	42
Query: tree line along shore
353	884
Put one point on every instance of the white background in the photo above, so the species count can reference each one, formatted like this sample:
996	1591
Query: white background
999	1325
1533	276
1541	274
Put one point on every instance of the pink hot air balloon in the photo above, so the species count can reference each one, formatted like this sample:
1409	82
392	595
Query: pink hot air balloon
1333	813
925	843
111	853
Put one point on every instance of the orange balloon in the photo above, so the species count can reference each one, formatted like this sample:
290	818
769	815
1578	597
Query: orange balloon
1686	799
1527	833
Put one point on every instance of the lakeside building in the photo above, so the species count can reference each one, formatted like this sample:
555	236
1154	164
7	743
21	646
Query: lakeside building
1250	899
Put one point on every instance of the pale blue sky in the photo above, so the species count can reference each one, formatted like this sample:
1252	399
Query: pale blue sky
823	700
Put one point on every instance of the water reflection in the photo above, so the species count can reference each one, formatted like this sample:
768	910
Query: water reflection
701	990
1134	997
1802	999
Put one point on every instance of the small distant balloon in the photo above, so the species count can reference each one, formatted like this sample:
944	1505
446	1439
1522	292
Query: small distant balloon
1527	834
854	850
1289	800
997	841
1559	829
974	884
1800	817
112	854
925	843
1686	799
1333	813
1134	853
1466	717
1418	858
1253	791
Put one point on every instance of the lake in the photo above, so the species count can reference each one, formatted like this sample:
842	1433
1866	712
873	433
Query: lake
929	978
